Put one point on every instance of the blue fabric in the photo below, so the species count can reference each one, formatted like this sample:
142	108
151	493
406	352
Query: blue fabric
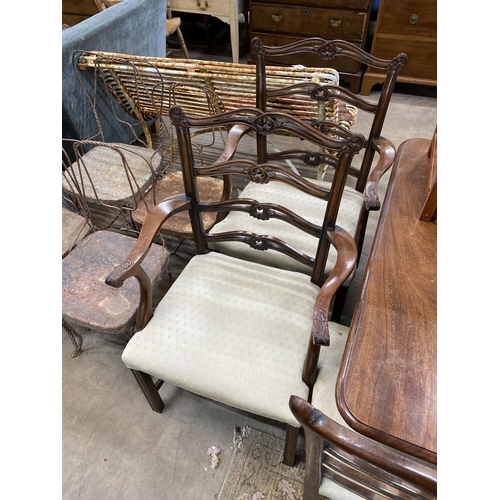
135	27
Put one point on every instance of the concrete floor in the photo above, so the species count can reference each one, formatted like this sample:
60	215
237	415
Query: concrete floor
114	447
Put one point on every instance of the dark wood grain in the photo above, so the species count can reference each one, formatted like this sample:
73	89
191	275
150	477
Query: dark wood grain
388	381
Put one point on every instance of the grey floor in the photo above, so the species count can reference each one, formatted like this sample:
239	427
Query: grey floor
113	445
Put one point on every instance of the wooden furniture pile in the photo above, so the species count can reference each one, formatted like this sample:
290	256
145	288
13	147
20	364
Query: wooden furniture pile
227	11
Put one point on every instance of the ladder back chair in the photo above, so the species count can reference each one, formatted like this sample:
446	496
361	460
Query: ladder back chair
342	464
234	331
360	194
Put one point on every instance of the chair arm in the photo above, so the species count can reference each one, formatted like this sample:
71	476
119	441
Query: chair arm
360	446
387	153
152	223
232	140
347	254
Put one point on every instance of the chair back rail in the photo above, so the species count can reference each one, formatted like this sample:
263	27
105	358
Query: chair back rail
323	92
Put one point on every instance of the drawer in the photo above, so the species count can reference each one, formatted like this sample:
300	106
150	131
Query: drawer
339	4
326	23
411	17
422	55
201	6
341	64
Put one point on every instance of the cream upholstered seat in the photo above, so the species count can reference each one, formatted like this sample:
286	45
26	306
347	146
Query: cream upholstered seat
232	330
335	466
363	197
257	345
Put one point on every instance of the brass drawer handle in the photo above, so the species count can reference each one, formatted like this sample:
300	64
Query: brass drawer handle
335	22
277	18
199	5
413	19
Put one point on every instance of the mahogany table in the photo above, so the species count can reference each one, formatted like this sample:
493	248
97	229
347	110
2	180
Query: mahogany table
387	384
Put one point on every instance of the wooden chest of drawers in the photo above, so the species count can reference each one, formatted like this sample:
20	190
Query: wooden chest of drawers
408	26
279	22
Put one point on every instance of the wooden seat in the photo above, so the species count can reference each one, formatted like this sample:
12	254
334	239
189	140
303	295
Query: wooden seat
90	251
74	229
360	194
110	179
87	303
238	332
174	26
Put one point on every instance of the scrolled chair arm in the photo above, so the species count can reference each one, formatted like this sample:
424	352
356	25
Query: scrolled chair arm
132	264
152	223
387	152
347	254
232	141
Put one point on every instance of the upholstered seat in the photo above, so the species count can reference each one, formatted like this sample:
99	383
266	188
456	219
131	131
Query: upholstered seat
257	345
354	211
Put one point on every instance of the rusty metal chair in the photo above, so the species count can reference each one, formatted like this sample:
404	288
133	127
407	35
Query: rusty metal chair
92	251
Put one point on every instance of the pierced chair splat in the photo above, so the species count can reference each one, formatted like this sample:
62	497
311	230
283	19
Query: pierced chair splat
261	328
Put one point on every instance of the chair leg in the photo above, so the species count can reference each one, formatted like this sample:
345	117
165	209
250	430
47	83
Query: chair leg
183	43
314	459
149	390
292	435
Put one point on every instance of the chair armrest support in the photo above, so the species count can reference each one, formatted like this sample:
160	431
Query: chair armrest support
360	446
233	139
347	254
387	153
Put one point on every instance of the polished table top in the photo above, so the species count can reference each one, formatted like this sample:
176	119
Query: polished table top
387	385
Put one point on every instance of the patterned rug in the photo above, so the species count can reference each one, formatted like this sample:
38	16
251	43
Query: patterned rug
255	470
